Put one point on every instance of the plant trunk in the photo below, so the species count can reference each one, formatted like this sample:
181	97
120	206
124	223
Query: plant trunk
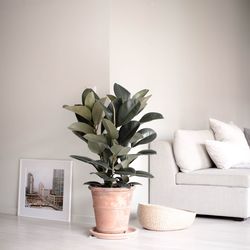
112	209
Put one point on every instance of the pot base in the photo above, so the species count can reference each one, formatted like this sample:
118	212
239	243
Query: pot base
131	232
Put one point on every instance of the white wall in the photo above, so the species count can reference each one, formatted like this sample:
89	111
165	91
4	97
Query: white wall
190	54
50	51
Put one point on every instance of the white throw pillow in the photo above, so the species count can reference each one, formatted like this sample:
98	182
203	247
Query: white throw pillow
189	149
227	154
227	132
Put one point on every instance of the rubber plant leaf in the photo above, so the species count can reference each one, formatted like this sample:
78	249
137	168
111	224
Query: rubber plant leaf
128	110
96	138
140	93
86	92
147	152
96	148
121	92
127	131
148	136
97	113
150	117
81	127
145	174
110	128
90	100
93	183
119	150
80	110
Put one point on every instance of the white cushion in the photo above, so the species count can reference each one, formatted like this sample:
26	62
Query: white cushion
216	177
227	132
226	154
189	149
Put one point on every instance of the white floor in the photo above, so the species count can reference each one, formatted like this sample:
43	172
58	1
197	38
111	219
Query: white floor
205	234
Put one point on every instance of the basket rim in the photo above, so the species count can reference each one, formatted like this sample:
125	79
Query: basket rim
160	207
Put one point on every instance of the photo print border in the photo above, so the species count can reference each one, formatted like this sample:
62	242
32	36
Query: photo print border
49	184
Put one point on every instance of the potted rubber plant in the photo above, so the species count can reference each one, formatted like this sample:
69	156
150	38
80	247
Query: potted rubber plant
109	127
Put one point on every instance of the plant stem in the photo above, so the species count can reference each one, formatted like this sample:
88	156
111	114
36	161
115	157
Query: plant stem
114	116
113	167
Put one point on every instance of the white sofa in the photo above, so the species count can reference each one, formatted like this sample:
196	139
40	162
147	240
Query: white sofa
211	191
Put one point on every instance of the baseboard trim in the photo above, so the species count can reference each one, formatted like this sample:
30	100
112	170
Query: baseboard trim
75	218
10	211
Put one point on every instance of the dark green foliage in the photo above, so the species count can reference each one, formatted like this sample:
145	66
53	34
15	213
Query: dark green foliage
148	135
127	131
121	92
109	128
150	117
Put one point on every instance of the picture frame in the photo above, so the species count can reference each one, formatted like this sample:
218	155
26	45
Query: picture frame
45	189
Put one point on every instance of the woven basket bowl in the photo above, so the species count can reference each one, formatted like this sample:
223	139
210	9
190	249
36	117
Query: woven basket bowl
161	218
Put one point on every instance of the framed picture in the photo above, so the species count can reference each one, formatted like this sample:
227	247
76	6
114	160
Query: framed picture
45	189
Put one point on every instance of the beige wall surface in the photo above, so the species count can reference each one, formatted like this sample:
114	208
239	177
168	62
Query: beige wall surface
193	56
50	51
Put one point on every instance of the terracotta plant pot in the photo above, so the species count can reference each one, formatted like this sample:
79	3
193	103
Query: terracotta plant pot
112	209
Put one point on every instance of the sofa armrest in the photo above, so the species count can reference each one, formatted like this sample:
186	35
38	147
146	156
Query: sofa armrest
163	167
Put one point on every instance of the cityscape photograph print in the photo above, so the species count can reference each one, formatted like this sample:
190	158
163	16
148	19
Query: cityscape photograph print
47	193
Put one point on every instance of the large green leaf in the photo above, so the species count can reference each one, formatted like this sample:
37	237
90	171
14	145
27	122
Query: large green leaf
96	148
128	110
111	97
97	113
148	136
118	166
96	138
108	112
86	92
151	116
93	183
104	176
103	164
136	137
144	102
80	110
110	128
127	131
106	154
119	150
145	174
114	108
121	92
125	179
126	171
140	93
147	152
133	183
83	120
129	158
90	100
81	127
99	163
117	104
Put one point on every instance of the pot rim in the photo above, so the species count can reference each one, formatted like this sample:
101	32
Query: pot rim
108	189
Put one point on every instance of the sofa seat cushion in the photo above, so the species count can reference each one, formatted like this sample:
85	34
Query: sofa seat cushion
215	177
